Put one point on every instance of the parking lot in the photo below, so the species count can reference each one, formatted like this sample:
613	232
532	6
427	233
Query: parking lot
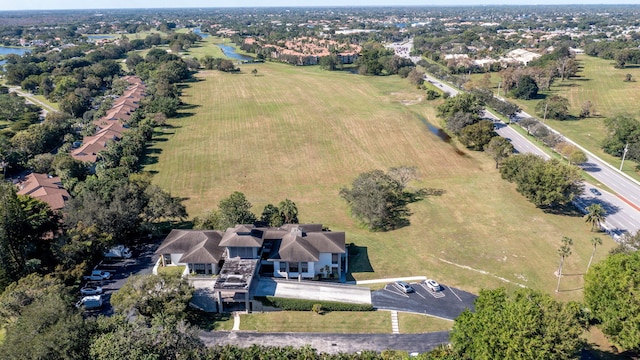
447	303
141	263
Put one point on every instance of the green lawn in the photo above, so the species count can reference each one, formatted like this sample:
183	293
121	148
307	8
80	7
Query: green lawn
602	84
377	322
416	323
303	133
171	270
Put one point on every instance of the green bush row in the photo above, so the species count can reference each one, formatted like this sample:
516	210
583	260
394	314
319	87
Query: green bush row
307	305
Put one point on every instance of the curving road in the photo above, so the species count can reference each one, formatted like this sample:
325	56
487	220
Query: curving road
623	207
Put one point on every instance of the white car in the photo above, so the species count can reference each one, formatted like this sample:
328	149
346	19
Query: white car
90	290
98	275
90	302
432	285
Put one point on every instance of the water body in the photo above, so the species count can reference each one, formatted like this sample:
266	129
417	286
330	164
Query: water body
442	135
231	52
99	37
197	31
9	50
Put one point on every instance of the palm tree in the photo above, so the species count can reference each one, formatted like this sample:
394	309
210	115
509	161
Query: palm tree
288	211
595	216
564	251
595	241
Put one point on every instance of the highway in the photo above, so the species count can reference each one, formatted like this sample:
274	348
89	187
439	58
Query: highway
623	207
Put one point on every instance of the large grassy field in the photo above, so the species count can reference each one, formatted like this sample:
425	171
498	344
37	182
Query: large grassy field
303	133
602	84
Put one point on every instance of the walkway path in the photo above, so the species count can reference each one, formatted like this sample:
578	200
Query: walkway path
394	322
329	342
236	321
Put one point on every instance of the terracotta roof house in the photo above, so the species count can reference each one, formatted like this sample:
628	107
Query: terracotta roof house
46	188
198	250
92	145
111	126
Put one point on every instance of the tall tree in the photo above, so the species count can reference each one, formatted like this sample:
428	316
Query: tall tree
499	149
564	251
235	209
595	216
525	324
611	289
288	211
595	241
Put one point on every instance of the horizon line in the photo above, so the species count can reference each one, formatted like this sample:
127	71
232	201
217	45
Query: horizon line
324	6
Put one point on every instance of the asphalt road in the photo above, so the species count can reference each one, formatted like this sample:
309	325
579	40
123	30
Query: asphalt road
331	343
623	207
447	303
32	100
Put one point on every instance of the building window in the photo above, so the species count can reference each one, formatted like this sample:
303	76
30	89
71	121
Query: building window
334	258
304	267
283	266
167	259
293	267
198	268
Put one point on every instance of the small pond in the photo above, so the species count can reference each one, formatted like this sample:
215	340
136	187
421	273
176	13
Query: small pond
231	52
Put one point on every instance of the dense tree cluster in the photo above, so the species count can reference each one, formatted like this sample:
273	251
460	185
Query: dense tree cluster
546	183
236	209
622	130
611	293
524	324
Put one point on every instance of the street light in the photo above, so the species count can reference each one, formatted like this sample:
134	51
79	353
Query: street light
624	155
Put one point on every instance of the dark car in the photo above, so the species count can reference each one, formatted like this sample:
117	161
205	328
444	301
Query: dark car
595	191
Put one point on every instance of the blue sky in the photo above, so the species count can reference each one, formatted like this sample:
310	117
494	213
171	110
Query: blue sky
104	4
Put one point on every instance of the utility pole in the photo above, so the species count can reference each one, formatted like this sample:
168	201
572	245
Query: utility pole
624	155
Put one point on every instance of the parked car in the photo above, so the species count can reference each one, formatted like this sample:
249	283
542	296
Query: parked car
90	302
98	275
432	285
406	288
91	290
595	191
118	252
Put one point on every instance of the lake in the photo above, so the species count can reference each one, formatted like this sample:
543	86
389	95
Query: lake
9	50
99	37
231	52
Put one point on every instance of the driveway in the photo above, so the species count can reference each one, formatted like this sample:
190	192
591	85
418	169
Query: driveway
140	264
447	303
330	343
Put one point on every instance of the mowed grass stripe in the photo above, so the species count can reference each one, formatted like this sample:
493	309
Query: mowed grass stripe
302	133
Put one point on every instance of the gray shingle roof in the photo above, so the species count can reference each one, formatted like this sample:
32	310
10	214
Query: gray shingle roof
197	246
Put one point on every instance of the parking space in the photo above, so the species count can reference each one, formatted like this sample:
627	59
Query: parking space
141	263
447	303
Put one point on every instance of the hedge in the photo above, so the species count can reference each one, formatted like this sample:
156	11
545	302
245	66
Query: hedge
307	305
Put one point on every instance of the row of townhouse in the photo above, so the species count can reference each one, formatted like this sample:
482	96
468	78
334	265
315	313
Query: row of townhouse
111	126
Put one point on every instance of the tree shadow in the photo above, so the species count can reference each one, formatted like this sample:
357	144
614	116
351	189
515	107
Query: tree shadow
566	210
592	352
181	115
358	260
188	106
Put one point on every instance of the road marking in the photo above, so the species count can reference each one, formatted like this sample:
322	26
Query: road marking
454	293
395	292
435	294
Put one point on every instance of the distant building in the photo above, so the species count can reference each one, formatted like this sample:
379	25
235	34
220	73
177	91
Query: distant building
45	188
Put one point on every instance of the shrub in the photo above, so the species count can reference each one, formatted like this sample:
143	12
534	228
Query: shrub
309	305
